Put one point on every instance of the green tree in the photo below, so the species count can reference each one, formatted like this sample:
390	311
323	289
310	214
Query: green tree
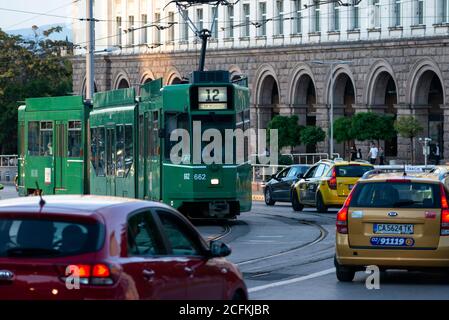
311	135
384	128
364	126
289	131
343	132
29	68
409	127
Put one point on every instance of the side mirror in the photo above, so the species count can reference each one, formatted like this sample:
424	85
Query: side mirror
274	176
300	175
219	249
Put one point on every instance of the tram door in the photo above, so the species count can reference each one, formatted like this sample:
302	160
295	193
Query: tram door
154	154
142	173
110	161
60	156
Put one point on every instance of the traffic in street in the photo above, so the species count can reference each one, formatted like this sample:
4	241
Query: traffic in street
288	255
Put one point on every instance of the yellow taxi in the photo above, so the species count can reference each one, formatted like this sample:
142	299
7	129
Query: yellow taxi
327	184
393	221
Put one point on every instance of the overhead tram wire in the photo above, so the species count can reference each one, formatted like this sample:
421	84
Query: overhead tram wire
39	15
242	23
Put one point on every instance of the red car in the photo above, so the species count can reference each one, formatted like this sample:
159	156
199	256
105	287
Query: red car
87	247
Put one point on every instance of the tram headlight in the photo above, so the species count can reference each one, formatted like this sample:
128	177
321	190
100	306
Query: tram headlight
214	182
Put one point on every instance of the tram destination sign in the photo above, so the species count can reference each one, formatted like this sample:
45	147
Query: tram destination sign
212	98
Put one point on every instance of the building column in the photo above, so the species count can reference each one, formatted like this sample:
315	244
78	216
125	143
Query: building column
446	131
322	121
300	110
403	143
421	113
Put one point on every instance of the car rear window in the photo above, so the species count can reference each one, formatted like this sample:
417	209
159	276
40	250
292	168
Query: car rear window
352	171
396	195
48	238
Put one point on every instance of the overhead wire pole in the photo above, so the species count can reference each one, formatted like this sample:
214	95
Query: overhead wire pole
90	39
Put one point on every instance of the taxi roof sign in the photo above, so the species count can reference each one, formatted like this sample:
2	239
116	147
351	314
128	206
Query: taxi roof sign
413	169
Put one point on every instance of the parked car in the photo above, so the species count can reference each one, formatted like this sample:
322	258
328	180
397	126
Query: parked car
113	248
327	184
279	186
394	222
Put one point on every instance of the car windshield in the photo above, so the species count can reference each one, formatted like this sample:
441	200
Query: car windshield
352	171
48	238
396	195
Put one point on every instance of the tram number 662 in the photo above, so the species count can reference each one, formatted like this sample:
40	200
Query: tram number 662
199	177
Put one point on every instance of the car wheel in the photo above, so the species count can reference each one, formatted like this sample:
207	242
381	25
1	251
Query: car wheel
344	274
320	206
297	206
269	198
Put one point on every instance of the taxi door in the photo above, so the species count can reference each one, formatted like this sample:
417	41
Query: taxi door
313	183
303	185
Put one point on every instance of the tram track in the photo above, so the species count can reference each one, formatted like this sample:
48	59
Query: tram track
227	229
323	233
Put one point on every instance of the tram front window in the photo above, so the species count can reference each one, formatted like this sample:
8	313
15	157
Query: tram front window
174	121
214	122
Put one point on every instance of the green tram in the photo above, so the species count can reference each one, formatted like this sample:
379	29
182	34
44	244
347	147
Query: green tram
52	146
130	145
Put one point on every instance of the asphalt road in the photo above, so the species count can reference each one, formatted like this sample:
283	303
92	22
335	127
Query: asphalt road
286	255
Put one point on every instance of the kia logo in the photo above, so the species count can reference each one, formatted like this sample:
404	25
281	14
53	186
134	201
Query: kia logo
392	214
6	275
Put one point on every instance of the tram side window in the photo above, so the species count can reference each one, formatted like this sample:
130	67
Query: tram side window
240	125
129	148
246	126
97	150
46	138
74	139
40	138
141	138
33	138
174	121
155	135
119	150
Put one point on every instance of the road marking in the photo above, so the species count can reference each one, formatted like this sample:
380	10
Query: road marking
270	236
290	281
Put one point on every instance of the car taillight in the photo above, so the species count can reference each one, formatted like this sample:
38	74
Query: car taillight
332	182
342	215
342	221
97	274
444	229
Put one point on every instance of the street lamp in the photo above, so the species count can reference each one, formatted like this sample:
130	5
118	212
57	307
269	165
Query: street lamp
331	116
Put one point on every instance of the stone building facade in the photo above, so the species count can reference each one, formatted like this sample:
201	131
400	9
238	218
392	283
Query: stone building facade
398	75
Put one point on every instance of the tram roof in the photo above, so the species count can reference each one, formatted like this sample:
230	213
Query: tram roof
119	97
55	103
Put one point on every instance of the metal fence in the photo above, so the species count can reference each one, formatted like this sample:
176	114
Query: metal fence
8	167
263	172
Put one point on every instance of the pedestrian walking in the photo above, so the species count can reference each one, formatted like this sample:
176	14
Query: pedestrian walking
437	154
359	154
353	153
381	156
373	153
